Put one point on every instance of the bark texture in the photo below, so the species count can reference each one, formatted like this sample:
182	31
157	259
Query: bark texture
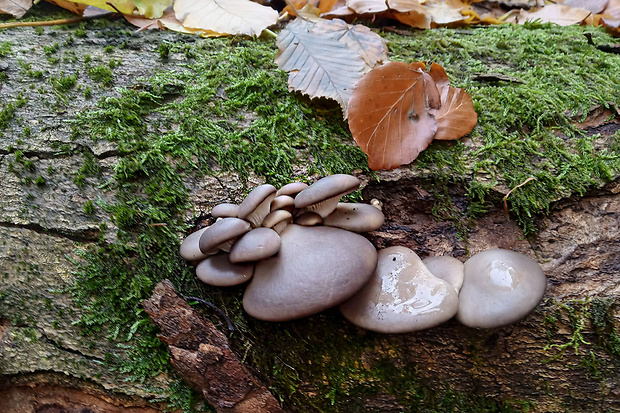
562	357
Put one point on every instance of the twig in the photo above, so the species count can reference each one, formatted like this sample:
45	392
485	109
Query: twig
231	327
531	178
52	22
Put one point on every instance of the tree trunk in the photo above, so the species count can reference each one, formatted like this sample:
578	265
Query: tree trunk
564	356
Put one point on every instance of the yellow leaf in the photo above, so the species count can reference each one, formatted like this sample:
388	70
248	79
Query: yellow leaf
225	16
123	6
73	7
152	9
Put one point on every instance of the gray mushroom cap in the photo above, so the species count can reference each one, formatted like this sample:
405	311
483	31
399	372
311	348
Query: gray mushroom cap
189	247
278	220
225	210
447	268
322	196
309	219
283	202
355	217
292	189
256	205
500	287
218	271
401	296
258	244
221	234
316	268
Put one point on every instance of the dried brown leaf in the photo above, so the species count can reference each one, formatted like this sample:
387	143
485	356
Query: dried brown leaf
167	21
225	16
390	114
456	117
73	7
367	6
411	13
556	13
447	12
17	8
595	6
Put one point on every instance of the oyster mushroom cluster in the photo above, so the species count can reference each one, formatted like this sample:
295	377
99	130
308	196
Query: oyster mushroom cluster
301	251
298	246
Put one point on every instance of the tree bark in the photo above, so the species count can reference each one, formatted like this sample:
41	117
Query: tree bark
561	357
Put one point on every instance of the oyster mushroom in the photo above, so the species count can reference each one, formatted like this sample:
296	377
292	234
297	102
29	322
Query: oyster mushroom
401	296
222	234
309	219
258	244
447	268
292	189
225	210
278	220
355	217
285	202
218	271
316	268
256	205
500	287
189	247
322	196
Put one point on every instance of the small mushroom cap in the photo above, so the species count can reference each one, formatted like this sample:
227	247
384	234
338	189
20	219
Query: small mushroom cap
401	296
325	188
316	268
283	202
447	268
258	244
218	271
278	220
256	205
309	219
500	287
292	189
355	217
222	231
225	210
189	247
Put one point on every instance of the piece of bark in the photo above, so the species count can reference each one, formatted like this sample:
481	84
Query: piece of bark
202	355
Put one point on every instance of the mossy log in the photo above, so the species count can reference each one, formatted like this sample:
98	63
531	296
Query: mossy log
114	144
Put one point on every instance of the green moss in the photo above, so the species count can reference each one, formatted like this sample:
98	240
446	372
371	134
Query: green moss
63	83
526	129
101	74
5	49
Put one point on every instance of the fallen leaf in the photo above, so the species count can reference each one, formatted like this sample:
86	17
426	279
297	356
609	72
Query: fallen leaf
17	8
411	13
456	117
556	13
152	9
443	13
595	6
367	6
225	16
369	45
121	6
167	21
318	63
73	7
390	114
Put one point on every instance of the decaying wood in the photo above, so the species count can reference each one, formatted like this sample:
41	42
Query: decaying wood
202	355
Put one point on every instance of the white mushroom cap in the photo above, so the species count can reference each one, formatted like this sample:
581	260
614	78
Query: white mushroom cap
500	287
316	268
225	210
189	247
309	219
258	244
447	268
355	217
322	196
221	235
278	220
292	189
283	202
256	205
401	296
218	271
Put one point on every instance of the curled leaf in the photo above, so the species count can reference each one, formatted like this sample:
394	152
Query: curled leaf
367	6
17	8
456	117
391	114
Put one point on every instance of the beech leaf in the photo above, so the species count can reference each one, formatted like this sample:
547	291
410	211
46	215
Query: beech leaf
77	8
456	117
167	21
225	16
318	63
17	8
367	6
391	114
556	13
595	6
